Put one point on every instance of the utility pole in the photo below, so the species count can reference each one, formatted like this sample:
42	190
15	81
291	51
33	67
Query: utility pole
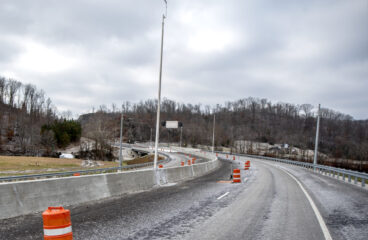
213	133
317	135
151	139
121	142
181	135
168	140
159	91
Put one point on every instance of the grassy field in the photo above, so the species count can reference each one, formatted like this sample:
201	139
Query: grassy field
19	165
14	165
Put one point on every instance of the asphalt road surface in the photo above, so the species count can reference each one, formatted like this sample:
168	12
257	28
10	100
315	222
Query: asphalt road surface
268	204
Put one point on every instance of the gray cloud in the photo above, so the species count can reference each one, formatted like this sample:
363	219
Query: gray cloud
99	52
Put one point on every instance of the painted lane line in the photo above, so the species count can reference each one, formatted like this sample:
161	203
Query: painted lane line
321	222
222	196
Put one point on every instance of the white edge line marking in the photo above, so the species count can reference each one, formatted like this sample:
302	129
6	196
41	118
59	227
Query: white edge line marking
245	179
321	222
222	196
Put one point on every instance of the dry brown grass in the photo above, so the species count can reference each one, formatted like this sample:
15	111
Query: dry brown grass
39	164
145	159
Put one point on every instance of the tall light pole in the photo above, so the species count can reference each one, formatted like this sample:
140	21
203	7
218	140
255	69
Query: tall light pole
181	135
121	142
213	133
317	135
159	91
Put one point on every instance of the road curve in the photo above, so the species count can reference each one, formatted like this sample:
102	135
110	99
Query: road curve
269	204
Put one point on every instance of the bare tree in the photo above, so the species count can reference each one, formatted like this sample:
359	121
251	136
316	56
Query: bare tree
13	87
307	109
3	86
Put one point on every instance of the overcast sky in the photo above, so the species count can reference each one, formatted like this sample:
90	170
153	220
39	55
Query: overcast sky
85	53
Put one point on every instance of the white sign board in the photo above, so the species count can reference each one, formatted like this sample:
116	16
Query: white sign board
172	124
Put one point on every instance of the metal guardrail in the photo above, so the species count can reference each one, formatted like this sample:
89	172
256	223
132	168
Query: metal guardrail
91	171
327	170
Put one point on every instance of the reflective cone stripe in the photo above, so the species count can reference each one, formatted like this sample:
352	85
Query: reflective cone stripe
57	232
57	224
236	176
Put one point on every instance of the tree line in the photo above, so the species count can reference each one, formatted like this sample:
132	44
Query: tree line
29	124
251	119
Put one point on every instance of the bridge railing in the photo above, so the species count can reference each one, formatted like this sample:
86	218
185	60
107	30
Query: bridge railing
326	170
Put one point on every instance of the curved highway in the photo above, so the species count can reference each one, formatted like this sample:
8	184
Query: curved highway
269	204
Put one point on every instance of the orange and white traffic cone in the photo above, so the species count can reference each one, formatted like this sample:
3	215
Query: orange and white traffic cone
247	165
236	176
57	224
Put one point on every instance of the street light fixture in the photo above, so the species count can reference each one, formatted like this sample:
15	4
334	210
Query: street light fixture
159	90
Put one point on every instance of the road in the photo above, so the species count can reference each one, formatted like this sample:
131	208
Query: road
176	157
270	204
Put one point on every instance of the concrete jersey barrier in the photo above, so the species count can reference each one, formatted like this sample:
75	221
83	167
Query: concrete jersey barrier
20	198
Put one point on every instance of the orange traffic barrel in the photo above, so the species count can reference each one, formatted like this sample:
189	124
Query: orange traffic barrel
236	176
182	163
193	160
189	162
247	165
57	224
160	166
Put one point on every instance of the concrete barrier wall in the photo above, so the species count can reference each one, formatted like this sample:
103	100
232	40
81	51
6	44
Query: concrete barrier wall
20	198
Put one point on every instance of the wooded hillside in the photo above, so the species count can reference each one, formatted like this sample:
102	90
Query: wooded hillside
252	119
29	124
